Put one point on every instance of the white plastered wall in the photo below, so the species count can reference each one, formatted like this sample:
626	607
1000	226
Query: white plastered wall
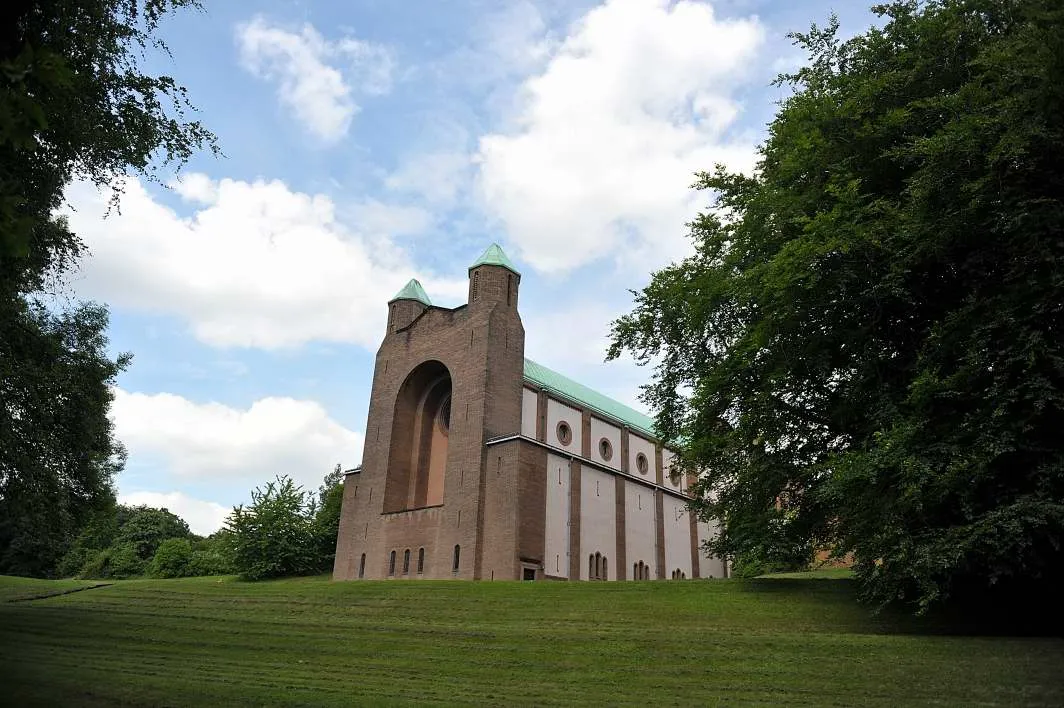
556	413
638	445
529	411
708	566
556	546
598	520
640	527
602	430
677	536
680	485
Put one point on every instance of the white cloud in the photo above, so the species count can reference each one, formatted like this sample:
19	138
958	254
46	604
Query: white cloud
203	517
583	358
256	264
380	218
438	177
313	75
602	149
214	442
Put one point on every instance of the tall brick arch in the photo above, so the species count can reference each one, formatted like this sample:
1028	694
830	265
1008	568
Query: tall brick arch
417	460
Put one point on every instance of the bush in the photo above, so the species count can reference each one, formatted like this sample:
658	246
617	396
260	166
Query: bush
172	559
274	536
120	561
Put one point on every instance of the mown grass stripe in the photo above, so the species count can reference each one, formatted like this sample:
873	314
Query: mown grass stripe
312	642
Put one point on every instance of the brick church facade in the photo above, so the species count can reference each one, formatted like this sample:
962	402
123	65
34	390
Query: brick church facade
480	464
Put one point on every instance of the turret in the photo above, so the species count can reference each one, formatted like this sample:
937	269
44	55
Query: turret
407	305
493	279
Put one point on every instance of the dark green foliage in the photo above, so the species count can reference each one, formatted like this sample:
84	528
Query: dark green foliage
147	528
210	556
125	541
73	105
58	456
867	350
173	559
327	517
119	561
274	536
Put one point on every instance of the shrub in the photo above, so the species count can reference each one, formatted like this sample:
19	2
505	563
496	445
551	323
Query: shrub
274	536
172	559
208	563
119	561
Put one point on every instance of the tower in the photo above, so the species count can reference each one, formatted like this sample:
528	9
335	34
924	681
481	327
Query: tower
432	500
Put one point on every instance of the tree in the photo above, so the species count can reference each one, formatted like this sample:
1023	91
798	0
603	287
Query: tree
58	455
327	517
274	536
867	349
74	104
146	529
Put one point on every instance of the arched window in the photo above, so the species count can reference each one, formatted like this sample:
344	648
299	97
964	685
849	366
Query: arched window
476	284
636	573
646	573
391	563
598	566
457	557
420	560
509	289
362	566
591	567
406	561
605	574
683	575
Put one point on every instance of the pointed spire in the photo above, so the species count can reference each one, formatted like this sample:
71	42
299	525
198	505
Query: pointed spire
494	255
412	291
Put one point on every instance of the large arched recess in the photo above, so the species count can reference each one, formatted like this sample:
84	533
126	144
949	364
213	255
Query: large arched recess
421	426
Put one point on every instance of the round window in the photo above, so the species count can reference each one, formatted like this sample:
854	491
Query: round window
565	433
605	449
642	464
444	415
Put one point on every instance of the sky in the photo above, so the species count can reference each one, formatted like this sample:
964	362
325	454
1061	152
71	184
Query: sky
368	143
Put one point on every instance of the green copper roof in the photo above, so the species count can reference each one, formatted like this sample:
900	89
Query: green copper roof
412	291
494	255
593	400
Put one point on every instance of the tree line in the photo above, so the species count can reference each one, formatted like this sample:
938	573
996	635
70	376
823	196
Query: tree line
284	531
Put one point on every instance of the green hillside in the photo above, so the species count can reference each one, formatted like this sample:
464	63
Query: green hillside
216	641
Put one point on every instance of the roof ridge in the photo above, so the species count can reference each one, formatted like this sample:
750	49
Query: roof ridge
548	378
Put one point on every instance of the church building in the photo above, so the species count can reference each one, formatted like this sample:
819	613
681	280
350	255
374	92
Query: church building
481	464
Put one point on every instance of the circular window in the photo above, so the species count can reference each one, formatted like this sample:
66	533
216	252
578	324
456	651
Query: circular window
642	464
565	433
443	417
605	449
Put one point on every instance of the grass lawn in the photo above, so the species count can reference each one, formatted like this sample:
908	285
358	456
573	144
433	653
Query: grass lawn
20	589
217	641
